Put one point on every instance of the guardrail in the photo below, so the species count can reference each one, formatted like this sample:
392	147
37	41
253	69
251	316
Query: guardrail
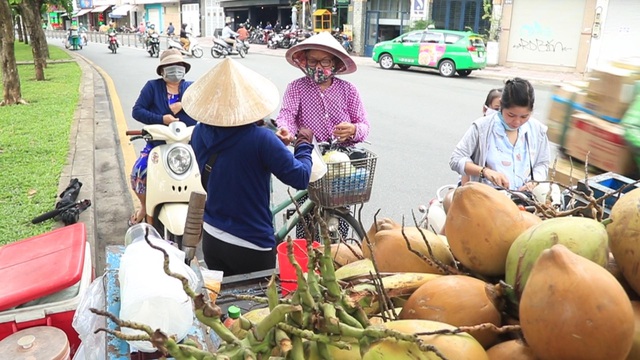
95	37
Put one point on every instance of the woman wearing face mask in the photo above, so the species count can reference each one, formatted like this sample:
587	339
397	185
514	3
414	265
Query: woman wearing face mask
508	148
329	106
159	102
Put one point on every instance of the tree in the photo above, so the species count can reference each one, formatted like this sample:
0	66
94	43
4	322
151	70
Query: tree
12	94
31	15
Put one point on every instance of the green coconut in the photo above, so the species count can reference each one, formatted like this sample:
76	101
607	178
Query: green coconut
583	236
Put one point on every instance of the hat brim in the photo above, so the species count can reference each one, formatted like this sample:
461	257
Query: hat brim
349	65
187	66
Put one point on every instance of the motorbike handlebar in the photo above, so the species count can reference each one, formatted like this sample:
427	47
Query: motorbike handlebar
133	132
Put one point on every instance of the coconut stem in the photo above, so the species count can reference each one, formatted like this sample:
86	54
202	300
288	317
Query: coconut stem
426	259
275	316
272	293
486	326
306	300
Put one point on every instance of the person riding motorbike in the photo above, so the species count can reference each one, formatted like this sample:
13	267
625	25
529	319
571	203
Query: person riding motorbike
184	37
229	35
150	30
74	35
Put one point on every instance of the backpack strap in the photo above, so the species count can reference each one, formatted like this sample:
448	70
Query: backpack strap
207	170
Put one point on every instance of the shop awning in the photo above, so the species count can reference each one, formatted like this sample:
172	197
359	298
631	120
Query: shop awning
100	9
82	12
121	10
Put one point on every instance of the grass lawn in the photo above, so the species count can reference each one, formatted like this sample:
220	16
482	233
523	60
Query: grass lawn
34	142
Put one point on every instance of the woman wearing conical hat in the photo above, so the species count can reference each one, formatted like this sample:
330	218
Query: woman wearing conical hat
329	106
228	100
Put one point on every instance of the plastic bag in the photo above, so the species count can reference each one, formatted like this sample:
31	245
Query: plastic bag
318	167
148	295
212	281
85	322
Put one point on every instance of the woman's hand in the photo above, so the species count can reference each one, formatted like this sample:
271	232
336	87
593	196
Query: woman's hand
285	136
168	119
528	186
175	107
344	131
496	178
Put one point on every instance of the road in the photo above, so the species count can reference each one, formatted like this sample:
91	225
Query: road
416	117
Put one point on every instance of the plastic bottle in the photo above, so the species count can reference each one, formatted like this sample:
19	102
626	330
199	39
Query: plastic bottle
233	314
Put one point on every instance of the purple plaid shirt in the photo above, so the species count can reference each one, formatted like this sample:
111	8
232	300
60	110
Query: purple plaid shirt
304	105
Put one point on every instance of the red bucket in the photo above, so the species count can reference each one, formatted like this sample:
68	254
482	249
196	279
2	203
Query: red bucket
287	272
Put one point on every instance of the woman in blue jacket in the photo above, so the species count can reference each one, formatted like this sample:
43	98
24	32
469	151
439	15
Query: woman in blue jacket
159	102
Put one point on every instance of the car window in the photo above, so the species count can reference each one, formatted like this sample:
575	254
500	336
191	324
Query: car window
413	37
430	37
477	42
451	38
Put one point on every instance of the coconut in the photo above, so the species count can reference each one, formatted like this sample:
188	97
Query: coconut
623	236
573	308
634	354
456	300
585	237
481	225
393	255
458	346
343	254
511	350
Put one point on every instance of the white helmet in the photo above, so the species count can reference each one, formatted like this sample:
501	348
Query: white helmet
540	194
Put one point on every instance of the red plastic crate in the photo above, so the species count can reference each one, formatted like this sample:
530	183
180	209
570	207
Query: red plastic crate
46	298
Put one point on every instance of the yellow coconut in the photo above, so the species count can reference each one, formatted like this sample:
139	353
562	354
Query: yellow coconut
459	346
634	354
456	300
572	308
511	350
624	241
482	223
343	254
393	255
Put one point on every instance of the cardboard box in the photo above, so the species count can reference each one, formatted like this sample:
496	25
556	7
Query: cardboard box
608	107
564	100
614	83
604	143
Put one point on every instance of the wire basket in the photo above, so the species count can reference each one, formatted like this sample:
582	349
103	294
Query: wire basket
345	183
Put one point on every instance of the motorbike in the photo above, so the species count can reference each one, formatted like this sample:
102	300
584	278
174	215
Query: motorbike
289	38
194	48
113	42
275	41
153	45
172	175
222	48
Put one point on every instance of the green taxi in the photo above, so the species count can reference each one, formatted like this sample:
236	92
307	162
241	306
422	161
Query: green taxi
446	50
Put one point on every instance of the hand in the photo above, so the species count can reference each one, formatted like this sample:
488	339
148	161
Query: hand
305	136
344	131
496	178
284	135
168	119
176	107
528	186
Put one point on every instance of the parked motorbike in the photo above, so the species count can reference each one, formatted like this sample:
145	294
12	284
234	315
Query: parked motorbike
275	41
172	175
194	48
153	46
113	42
222	48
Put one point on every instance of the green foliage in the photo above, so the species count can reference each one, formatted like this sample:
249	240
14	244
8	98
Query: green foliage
34	143
494	28
420	24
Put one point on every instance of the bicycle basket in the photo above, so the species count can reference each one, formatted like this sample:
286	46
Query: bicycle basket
345	183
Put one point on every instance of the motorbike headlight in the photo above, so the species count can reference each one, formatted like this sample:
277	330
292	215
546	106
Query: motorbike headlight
179	160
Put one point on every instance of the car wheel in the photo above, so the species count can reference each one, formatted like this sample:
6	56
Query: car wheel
464	73
386	61
447	68
404	67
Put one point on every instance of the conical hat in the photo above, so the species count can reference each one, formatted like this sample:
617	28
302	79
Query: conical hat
230	94
325	42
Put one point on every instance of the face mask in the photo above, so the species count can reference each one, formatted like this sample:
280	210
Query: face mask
173	73
504	124
319	75
489	111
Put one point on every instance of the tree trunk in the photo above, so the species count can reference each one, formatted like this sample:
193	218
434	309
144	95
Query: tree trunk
18	23
31	11
12	93
25	34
